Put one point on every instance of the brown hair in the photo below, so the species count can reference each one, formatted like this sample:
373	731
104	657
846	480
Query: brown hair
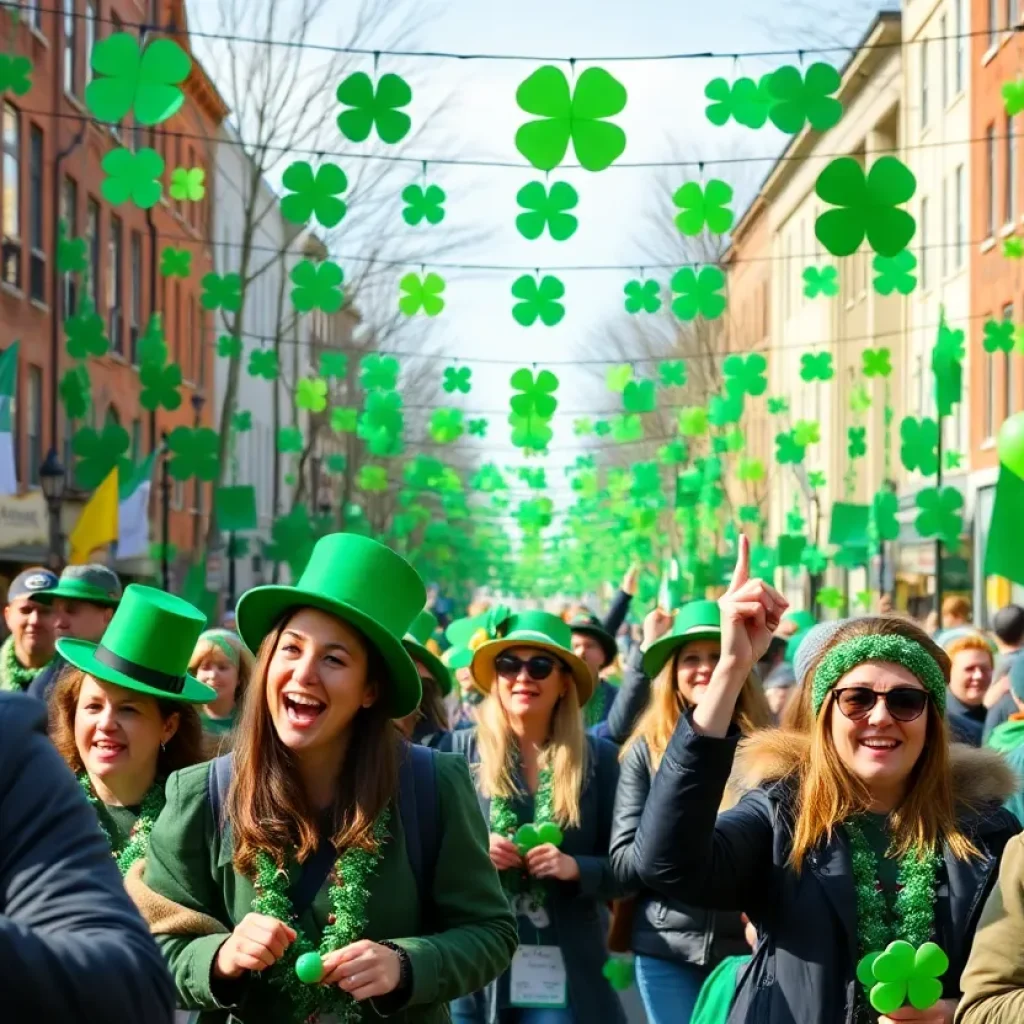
957	606
830	793
267	805
207	646
184	748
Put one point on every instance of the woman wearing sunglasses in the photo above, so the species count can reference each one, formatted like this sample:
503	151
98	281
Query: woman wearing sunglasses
865	830
547	790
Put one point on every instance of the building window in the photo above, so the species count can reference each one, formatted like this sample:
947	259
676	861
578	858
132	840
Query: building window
37	256
1007	369
1010	172
12	197
90	37
924	82
136	439
69	214
135	308
944	62
70	46
115	290
960	42
923	232
993	23
944	215
1011	13
33	15
990	394
961	217
34	424
993	186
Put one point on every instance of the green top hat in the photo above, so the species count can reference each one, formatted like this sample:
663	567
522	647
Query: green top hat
93	583
421	630
534	629
459	657
590	625
146	647
696	620
362	583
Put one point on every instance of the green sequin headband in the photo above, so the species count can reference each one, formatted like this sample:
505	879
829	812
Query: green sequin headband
222	638
895	648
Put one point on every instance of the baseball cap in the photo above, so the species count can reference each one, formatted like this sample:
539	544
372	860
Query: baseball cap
29	582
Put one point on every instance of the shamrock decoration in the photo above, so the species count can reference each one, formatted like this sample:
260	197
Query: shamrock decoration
333	365
456	378
626	429
583	427
860	399
821	282
537	396
241	421
446	425
638	396
71	252
221	292
311	394
704	207
617	377
423	204
421	294
289	440
866	205
801	100
747	102
1013	96
750	470
578	116
940	514
343	420
919	445
378	373
336	463
314	195
744	375
152	345
815	479
85	331
725	409
538	299
547	209
876	362
478	428
133	176
642	296
675	453
194	452
777	406
374	108
895	273
1013	247
856	447
14	74
372	478
530	433
160	386
619	972
145	82
693	422
97	453
698	293
952	460
175	262
900	974
816	367
74	392
317	286
188	184
998	336
787	450
263	364
813	560
806	432
672	373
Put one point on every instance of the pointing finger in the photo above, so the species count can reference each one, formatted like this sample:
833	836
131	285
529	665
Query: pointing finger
741	573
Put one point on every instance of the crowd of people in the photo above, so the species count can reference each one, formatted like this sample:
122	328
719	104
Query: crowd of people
333	809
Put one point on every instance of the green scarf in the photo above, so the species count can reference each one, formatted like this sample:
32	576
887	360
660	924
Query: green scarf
13	675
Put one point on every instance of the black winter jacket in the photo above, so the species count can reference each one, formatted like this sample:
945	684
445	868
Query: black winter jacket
803	970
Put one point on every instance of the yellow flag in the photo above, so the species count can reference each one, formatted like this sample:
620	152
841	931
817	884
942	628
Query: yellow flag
97	525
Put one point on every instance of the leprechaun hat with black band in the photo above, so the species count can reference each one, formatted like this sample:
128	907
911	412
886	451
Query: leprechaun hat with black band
146	647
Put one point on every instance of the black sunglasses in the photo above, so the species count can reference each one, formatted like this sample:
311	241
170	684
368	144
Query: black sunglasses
903	703
539	667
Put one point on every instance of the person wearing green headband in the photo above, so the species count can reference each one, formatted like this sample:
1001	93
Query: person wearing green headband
224	663
327	869
867	828
428	724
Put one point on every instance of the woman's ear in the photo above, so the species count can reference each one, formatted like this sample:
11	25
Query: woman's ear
370	695
171	723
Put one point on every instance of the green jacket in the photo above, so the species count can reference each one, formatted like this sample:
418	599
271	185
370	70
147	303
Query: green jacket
189	862
1008	739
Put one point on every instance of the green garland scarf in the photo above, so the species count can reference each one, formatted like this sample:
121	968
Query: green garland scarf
138	838
13	675
349	893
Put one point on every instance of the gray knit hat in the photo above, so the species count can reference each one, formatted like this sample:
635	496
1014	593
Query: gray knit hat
813	644
780	677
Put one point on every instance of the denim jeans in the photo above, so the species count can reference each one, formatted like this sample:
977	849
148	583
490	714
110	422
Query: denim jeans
669	989
471	1010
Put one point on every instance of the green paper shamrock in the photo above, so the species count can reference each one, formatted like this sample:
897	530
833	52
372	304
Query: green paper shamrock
477	428
628	428
1013	96
530	433
74	392
800	100
806	432
97	453
725	409
132	176
85	331
638	396
378	373
160	387
750	470
895	273
71	252
867	206
583	427
864	599
642	296
950	343
456	378
816	367
787	451
813	559
537	396
940	514
488	479
672	373
14	74
705	206
823	281
618	972
374	107
899	974
747	102
698	293
952	460
735	441
815	479
421	294
344	420
919	441
372	478
311	394
289	440
263	364
744	375
547	209
998	336
617	377
145	82
579	116
830	597
856	446
194	453
693	422
229	347
317	286
188	184
538	299
175	262
876	362
778	406
221	292
314	195
241	421
795	521
423	205
1013	248
675	453
860	399
446	425
383	411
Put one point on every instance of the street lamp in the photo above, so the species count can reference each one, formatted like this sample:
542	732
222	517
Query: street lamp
198	401
52	479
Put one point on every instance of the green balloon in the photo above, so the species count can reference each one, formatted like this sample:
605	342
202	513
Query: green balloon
309	968
549	832
865	969
526	838
1010	444
924	992
930	961
896	963
887	996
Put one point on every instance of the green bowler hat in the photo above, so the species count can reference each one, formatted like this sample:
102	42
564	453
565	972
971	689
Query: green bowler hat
590	625
360	582
422	629
696	620
95	584
534	629
146	647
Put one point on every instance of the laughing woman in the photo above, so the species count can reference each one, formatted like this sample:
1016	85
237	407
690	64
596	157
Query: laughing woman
301	886
865	830
535	768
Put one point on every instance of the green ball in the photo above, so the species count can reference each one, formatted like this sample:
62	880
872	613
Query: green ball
1010	444
309	968
887	996
549	832
526	838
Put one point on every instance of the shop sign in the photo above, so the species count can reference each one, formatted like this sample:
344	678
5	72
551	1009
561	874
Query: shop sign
24	521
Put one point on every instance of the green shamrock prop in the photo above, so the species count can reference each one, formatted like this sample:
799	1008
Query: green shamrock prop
895	273
74	392
867	206
374	108
531	433
372	478
241	421
813	560
263	364
693	422
477	428
876	362
745	375
998	336
446	425
799	100
423	204
919	442
750	470
626	429
317	286
175	262
14	74
132	176
378	373
940	514
314	195
860	399
947	367
675	453
86	332
638	396
145	81
333	365
698	293
899	974
816	479
311	394
547	209
747	102
787	451
152	344
816	367
529	836
538	300
672	373
952	460
194	453
579	116
188	184
856	444
160	387
97	453
537	394
343	420
421	294
1013	96
806	432
289	440
704	207
1013	248
777	406
456	378
71	252
642	296
221	292
823	281
726	409
382	412
830	597
617	377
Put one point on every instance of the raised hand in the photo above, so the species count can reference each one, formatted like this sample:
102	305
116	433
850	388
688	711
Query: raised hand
656	624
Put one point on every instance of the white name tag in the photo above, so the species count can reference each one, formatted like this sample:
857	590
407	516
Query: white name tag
538	977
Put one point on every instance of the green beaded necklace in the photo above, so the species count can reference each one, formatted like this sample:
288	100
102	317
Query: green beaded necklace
137	843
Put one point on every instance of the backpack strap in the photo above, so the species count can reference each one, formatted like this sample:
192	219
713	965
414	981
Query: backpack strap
419	807
218	782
